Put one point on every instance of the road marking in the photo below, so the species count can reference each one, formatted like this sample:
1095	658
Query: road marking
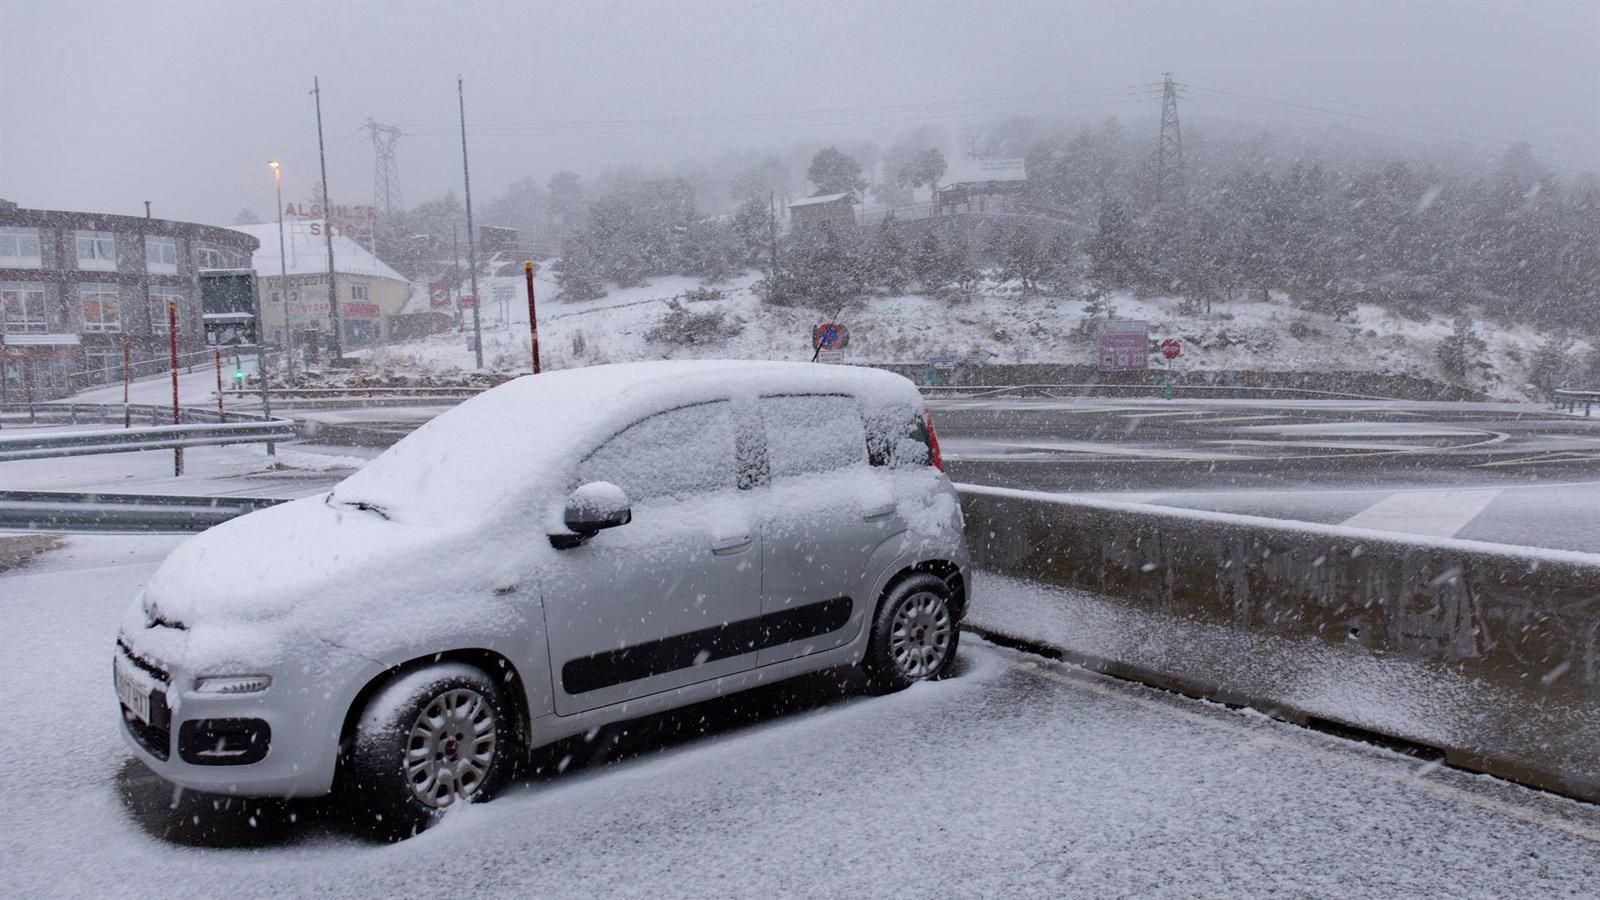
1432	513
1205	421
1412	777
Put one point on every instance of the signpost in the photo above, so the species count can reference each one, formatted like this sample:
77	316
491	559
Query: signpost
438	295
1124	346
829	338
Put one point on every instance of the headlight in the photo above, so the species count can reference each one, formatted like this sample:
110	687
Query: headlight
232	684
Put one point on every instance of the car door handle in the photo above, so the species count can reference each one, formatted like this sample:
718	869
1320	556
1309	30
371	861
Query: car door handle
878	512
725	546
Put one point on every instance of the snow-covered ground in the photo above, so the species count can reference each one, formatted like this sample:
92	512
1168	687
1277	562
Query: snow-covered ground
1017	778
998	326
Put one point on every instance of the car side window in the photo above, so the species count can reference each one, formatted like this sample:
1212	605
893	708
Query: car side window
812	433
682	452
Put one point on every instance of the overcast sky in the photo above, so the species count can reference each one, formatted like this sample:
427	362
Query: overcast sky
105	105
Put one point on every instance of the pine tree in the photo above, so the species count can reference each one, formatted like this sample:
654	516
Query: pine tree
1461	352
835	172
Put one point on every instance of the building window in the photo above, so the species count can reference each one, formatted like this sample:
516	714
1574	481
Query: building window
19	248
210	257
100	312
358	292
97	251
103	365
161	255
158	308
25	310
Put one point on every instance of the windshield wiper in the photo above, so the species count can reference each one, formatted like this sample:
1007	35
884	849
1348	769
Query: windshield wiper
362	505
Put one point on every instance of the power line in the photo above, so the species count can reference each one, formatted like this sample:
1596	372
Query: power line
1397	129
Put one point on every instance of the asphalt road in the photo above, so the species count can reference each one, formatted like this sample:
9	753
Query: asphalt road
1502	473
1017	777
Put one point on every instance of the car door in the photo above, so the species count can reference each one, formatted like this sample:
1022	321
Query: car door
823	511
670	598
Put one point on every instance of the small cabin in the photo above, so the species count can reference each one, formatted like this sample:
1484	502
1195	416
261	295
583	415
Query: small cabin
838	209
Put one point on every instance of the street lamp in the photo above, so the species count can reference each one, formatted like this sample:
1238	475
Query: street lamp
283	278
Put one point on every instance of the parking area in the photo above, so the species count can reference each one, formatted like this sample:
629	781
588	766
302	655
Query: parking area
1017	777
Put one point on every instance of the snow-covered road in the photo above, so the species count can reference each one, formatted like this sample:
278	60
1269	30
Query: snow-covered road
1019	777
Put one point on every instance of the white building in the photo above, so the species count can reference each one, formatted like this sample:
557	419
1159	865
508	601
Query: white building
370	292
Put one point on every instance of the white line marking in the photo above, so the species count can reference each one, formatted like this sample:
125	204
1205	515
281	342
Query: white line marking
1434	513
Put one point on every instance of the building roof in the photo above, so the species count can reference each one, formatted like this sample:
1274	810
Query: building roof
819	200
977	171
307	252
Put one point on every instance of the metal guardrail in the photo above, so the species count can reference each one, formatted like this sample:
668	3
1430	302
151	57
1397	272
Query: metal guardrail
93	413
122	440
60	511
1086	389
1570	400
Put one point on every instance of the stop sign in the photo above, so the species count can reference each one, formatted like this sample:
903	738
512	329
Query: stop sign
1170	348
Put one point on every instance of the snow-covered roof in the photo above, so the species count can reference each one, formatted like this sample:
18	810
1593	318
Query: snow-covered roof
820	199
968	171
511	440
308	252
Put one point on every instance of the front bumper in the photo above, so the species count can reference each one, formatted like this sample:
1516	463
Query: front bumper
281	742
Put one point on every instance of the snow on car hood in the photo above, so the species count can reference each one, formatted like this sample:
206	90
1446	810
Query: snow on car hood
317	570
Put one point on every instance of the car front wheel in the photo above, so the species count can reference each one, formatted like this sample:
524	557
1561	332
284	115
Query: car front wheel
914	634
426	742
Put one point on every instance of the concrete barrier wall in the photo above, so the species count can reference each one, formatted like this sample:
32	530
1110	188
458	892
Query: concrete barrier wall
1521	626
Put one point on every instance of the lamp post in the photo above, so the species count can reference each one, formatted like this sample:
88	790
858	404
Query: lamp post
283	283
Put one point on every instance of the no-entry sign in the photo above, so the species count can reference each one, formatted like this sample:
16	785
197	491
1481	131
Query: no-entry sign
1170	348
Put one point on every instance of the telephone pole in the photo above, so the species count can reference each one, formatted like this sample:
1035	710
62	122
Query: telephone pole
1169	153
472	255
327	230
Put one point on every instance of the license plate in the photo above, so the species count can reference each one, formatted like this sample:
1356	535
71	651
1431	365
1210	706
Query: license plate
131	695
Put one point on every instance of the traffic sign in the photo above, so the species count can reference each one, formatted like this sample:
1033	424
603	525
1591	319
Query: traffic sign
1124	346
1171	349
830	336
439	295
467	301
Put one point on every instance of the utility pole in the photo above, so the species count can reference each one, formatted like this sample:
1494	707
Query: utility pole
472	255
283	289
327	230
172	345
533	316
261	357
1169	153
772	232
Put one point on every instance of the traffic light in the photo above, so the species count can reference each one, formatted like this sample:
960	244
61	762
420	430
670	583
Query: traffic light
238	375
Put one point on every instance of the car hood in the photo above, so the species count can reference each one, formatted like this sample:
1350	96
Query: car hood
251	590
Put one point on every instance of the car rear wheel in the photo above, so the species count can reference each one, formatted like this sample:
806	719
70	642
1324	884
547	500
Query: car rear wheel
428	741
914	634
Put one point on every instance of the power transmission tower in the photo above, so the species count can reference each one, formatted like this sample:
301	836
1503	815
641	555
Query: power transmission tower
385	172
1169	154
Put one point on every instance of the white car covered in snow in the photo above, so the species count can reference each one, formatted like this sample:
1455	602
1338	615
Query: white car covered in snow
558	553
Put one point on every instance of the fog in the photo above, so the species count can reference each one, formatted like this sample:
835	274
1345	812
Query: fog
104	106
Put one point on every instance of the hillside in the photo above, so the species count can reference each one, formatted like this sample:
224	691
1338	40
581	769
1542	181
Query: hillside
997	325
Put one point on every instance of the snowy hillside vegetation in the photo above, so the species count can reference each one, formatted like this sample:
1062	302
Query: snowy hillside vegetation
677	318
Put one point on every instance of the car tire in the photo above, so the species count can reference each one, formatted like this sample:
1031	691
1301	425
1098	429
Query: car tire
426	742
915	632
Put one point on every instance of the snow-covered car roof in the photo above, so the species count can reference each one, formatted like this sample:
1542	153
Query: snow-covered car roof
514	438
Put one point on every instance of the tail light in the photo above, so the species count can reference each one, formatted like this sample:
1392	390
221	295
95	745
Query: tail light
934	455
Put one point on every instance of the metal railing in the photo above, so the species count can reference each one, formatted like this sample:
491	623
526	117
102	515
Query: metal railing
60	511
123	440
1569	400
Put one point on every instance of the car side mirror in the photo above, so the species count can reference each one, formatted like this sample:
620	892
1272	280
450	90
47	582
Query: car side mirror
591	509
